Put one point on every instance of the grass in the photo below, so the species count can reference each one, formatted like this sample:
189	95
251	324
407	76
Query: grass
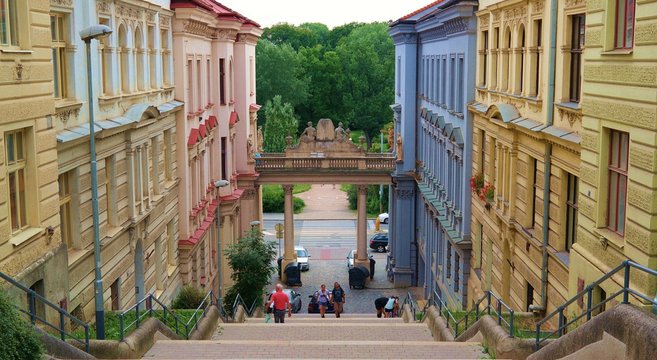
522	327
113	324
300	188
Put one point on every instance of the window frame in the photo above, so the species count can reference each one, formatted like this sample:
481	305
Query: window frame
10	29
621	173
572	209
65	213
577	44
624	22
18	167
58	22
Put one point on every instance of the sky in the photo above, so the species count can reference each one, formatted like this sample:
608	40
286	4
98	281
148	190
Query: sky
330	12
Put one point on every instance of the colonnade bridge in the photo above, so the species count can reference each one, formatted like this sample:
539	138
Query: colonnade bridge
325	155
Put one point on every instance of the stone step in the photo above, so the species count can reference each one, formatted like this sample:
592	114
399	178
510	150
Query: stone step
317	319
267	349
381	331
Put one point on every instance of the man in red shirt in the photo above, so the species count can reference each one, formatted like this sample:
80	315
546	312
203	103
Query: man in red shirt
281	303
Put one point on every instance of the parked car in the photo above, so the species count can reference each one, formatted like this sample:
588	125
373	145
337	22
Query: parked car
383	218
379	242
295	300
302	258
313	305
351	257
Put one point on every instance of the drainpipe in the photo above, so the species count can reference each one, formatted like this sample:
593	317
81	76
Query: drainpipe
418	63
548	158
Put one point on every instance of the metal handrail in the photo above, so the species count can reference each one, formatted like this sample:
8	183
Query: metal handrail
31	312
465	320
240	301
625	290
179	326
410	301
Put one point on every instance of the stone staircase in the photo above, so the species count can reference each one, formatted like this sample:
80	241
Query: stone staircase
309	336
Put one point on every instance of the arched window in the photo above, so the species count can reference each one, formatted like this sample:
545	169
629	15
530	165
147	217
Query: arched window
139	59
152	56
124	72
506	61
165	53
520	60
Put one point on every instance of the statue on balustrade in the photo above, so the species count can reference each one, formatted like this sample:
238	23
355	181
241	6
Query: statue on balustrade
400	148
309	133
340	134
391	138
261	139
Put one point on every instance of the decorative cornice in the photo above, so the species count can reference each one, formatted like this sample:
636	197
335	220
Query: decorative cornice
165	22
537	6
404	38
128	12
247	38
198	28
62	3
449	27
150	17
226	34
575	3
103	7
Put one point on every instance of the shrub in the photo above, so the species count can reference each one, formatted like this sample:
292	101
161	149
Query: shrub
273	199
373	201
188	298
19	340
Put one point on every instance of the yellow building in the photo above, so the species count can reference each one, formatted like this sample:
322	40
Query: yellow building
617	196
31	248
135	117
524	128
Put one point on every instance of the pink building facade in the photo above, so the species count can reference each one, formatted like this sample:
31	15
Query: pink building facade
214	67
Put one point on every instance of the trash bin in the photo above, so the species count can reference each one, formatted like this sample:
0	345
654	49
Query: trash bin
372	263
293	274
280	261
357	277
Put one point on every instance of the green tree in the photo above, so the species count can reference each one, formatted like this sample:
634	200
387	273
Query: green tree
340	32
320	32
295	36
18	338
280	123
324	71
279	72
250	260
367	57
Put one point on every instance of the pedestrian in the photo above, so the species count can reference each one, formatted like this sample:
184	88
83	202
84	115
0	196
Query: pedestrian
281	303
323	298
390	306
380	304
338	298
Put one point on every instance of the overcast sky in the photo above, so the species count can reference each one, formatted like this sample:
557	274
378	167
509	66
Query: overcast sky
329	12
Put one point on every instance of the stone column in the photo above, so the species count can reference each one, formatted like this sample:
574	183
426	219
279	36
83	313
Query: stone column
289	256
361	234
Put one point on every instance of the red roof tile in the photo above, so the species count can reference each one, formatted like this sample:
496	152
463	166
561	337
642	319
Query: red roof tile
215	7
211	121
234	118
236	195
201	131
193	137
420	10
254	107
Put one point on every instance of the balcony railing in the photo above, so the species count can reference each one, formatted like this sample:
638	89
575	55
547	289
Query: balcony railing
371	162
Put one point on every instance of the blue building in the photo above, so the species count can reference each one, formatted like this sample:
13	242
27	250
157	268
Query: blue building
430	203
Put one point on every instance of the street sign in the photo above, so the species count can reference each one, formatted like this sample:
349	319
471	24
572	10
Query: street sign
279	230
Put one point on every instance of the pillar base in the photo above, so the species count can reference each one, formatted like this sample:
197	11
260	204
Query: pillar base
284	263
363	263
403	277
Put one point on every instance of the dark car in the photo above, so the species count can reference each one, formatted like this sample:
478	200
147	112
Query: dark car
379	242
295	300
313	305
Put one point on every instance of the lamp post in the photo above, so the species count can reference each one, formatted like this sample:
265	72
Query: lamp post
254	224
219	184
95	32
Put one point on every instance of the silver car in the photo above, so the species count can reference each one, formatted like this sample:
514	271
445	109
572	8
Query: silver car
302	258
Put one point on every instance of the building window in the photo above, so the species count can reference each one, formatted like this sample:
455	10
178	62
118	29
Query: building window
105	61
443	82
448	271
399	75
624	38
452	83
199	87
457	278
208	70
171	245
529	296
160	261
190	85
168	156
224	158
230	82
16	168
115	296
459	85
251	75
484	58
164	44
9	22
124	52
58	37
482	153
538	26
65	209
111	191
139	59
480	246
618	163
576	48
571	211
496	51
222	81
520	86
152	56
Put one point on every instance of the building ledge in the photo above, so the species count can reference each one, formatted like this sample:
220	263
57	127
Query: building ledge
25	236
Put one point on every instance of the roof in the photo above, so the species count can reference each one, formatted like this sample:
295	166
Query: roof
420	10
234	118
220	10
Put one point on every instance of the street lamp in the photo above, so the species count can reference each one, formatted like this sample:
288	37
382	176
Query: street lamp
254	224
219	184
95	32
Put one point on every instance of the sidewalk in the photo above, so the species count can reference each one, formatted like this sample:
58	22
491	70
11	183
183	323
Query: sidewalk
323	202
